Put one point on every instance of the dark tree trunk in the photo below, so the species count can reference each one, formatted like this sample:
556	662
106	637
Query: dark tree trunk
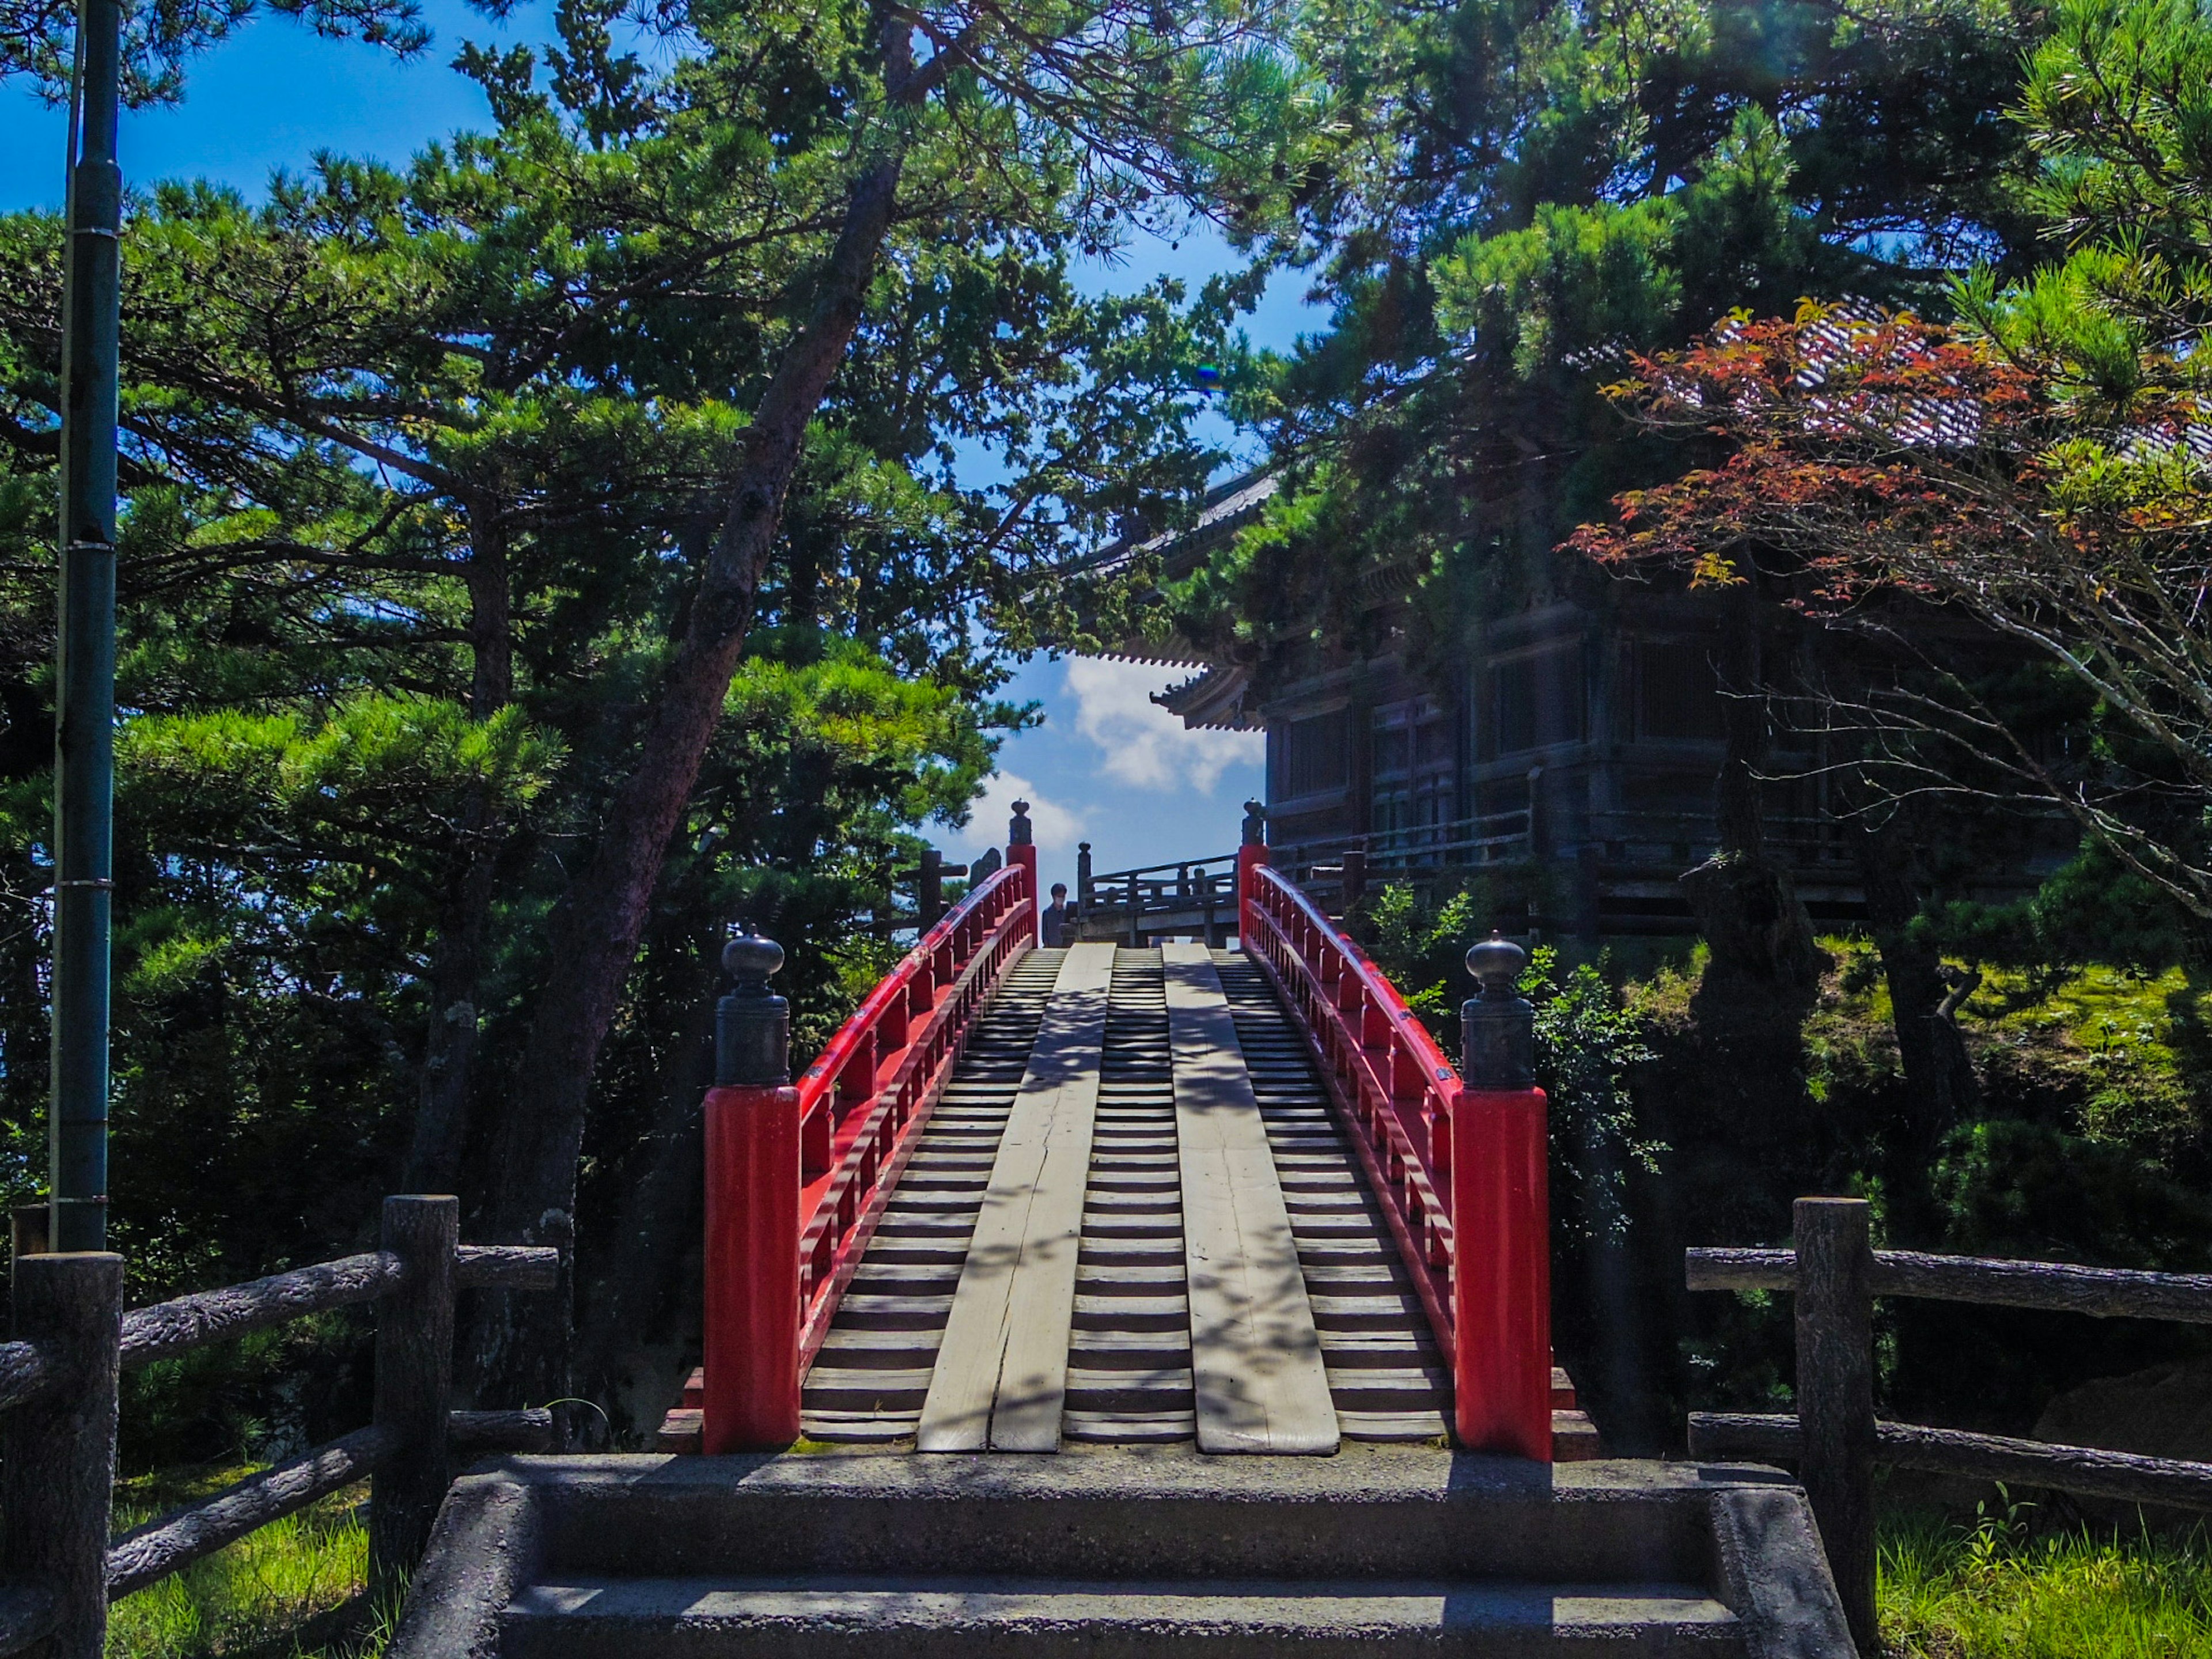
1746	904
595	932
1923	998
655	1244
1765	969
442	1114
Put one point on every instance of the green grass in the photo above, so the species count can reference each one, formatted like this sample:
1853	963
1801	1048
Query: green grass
1991	1589
254	1599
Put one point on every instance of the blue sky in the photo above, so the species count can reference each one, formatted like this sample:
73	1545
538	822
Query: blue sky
1106	766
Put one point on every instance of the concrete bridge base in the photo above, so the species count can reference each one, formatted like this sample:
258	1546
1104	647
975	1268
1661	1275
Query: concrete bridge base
1377	1551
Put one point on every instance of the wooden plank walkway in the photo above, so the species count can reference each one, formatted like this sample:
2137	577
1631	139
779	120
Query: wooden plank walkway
1129	1354
1001	1377
1385	1372
1255	1358
1125	1375
868	1382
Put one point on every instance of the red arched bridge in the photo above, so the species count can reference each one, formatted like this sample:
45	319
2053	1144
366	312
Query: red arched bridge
1032	1196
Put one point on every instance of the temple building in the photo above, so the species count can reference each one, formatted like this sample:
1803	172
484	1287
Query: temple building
1571	749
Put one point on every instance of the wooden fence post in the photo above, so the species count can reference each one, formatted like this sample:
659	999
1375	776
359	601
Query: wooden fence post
1835	1396
414	1379
57	1452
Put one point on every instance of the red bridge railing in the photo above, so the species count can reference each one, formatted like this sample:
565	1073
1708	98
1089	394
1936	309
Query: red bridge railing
798	1176
1462	1174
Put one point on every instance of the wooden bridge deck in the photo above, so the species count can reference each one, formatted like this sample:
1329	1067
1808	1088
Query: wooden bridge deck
1131	1219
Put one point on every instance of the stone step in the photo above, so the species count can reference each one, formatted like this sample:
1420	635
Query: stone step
1362	1514
929	1617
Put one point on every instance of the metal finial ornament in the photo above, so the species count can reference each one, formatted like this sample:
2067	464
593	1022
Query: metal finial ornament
751	957
1019	830
1498	1029
1496	964
1255	824
752	1024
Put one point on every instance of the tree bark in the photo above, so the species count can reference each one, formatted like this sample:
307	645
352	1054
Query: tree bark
441	1113
595	932
1938	1071
628	1299
1746	904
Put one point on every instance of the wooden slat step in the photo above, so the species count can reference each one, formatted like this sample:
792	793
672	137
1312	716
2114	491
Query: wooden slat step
1129	1428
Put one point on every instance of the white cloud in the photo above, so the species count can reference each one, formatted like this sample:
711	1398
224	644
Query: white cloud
1143	745
1053	827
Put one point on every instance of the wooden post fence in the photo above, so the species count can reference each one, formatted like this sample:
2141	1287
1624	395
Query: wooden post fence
414	1379
1835	1438
58	1395
1835	1396
59	1447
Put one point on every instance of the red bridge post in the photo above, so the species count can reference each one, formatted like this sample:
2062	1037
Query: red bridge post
1251	853
1021	849
751	1359
1501	1219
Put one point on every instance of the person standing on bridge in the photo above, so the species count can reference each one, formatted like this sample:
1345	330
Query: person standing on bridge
1052	925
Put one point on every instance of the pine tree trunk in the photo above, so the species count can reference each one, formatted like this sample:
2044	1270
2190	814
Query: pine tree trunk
595	932
1938	1071
623	1322
441	1115
1746	904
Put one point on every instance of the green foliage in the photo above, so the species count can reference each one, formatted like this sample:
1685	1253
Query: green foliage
2030	1189
267	1396
2091	909
1422	948
36	40
1534	191
1588	1045
1998	1589
428	475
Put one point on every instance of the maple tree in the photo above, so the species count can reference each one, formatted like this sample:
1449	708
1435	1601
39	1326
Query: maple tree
1875	461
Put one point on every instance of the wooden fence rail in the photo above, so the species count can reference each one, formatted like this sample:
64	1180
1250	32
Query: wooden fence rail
1834	1437
58	1385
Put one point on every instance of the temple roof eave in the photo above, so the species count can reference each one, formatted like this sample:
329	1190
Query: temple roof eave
1215	701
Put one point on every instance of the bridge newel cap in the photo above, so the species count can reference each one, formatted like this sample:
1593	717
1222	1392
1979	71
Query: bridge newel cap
752	1024
1255	824
1019	829
750	957
1497	963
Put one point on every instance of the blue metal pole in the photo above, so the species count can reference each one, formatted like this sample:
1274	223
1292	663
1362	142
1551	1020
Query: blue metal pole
84	756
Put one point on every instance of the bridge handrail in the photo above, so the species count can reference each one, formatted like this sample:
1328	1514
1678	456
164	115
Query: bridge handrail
889	1062
843	1048
1169	871
1393	1085
799	1174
